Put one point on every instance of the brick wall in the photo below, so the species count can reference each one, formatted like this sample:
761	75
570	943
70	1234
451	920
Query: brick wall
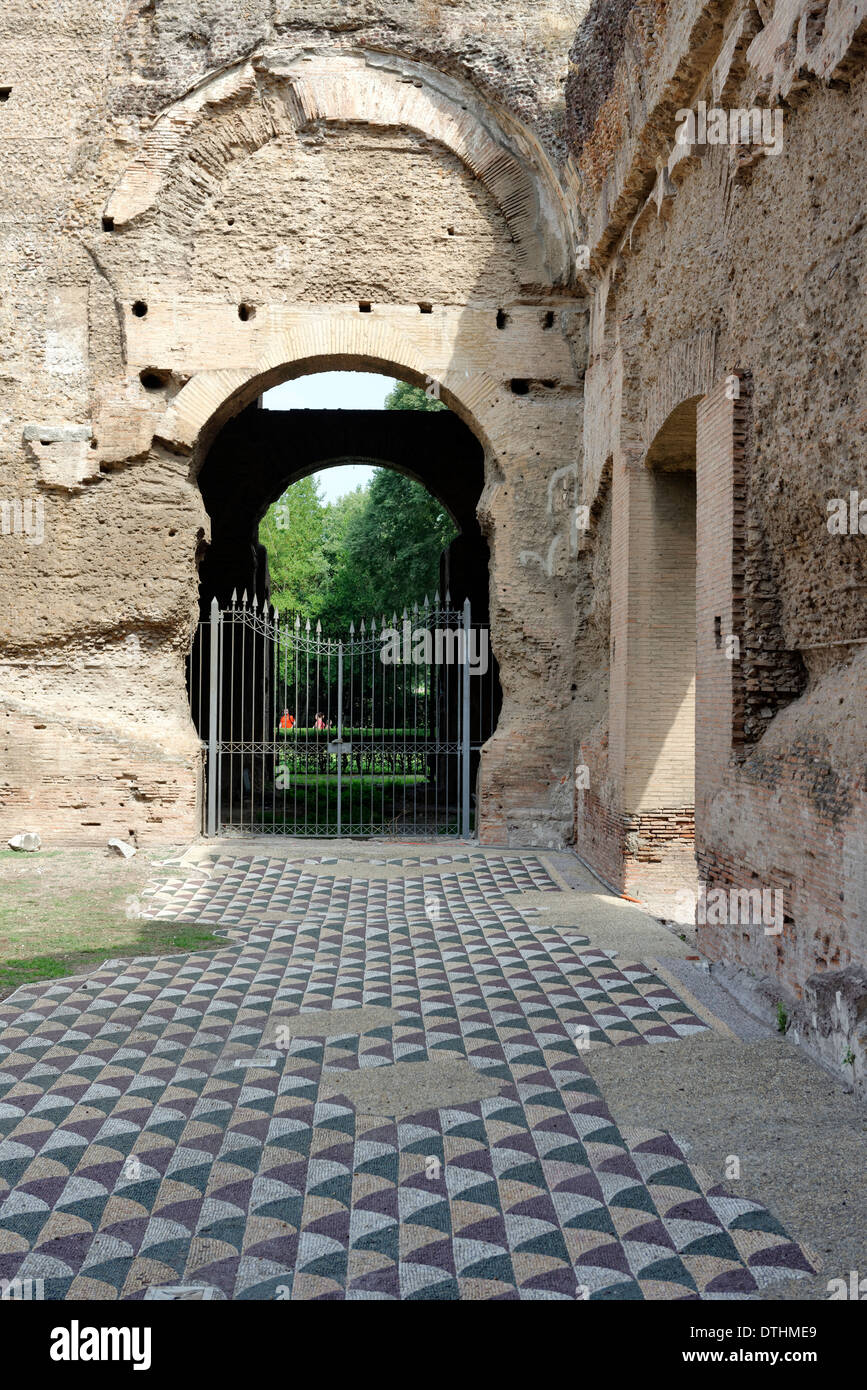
786	834
81	784
719	599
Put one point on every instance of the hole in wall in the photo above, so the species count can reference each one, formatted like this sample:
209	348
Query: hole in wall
108	224
717	632
139	308
425	308
520	387
450	231
502	318
364	306
548	319
5	93
152	379
246	312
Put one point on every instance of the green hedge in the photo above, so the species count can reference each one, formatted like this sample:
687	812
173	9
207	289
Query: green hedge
327	735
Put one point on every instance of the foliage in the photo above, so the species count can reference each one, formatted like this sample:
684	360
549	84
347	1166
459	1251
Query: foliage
293	533
406	397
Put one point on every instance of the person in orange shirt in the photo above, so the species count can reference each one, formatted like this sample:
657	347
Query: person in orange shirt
288	720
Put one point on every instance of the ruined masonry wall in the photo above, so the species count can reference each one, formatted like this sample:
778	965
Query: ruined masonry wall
164	165
708	262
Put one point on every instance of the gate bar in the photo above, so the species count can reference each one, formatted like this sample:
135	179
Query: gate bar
213	732
339	738
465	731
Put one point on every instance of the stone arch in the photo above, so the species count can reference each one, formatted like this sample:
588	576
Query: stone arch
245	464
211	399
379	460
688	370
331	343
672	448
274	93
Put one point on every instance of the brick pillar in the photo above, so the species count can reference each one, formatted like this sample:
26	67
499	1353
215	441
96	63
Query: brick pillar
652	719
625	502
719	585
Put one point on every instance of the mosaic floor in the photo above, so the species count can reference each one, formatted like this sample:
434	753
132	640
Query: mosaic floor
156	1129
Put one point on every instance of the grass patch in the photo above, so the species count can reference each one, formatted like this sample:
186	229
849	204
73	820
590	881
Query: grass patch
147	939
65	913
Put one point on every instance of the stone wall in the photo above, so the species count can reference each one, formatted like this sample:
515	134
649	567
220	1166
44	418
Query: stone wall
712	265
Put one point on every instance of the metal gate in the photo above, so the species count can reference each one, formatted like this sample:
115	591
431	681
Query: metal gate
377	731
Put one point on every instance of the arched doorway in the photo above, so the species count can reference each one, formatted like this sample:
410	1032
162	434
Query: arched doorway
662	766
653	667
373	726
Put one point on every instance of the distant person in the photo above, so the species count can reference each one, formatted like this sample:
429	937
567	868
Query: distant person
288	720
319	722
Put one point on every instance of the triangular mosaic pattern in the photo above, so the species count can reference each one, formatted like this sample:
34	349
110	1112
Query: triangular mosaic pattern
512	873
153	1133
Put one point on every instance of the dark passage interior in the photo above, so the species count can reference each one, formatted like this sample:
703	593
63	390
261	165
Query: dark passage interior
260	453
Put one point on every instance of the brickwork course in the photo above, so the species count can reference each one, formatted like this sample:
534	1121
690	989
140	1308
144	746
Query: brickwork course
202	199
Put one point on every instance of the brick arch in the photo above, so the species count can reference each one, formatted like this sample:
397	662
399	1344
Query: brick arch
687	371
209	399
673	445
271	94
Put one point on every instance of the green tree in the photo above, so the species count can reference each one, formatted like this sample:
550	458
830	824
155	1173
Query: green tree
390	551
349	585
293	532
406	397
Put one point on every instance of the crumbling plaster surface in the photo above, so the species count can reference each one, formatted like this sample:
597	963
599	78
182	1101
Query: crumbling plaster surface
186	154
515	55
